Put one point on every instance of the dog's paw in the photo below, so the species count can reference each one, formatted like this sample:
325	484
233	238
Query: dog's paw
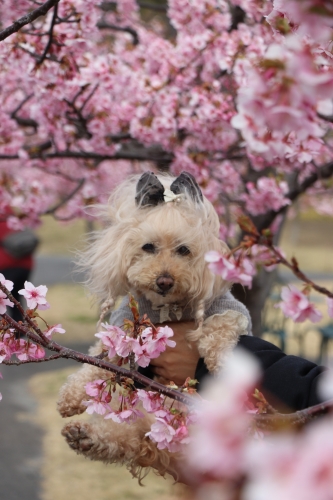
68	406
78	436
86	439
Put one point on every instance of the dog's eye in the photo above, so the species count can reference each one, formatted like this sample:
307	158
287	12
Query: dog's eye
183	250
149	247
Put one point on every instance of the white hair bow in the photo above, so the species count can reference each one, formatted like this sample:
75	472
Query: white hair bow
170	196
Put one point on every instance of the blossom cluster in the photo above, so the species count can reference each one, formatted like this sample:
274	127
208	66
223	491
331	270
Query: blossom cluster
148	345
296	305
217	98
171	425
267	195
239	270
10	344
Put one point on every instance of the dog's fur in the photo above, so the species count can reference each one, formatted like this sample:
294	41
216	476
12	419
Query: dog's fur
118	264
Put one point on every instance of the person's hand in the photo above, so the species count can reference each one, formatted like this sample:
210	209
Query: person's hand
177	363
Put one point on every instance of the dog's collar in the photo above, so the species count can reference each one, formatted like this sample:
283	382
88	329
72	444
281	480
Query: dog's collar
165	312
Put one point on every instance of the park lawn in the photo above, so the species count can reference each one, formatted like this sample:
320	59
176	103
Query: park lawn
71	306
61	238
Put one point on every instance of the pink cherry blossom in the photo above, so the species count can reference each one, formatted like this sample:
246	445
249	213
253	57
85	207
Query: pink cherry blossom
263	256
4	302
142	358
297	466
101	397
329	302
128	345
26	350
297	306
35	296
127	416
99	407
161	433
151	401
220	436
239	271
111	338
268	194
154	344
128	411
8	345
54	329
7	283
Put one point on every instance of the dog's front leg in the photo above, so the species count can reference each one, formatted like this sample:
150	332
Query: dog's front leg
220	334
72	393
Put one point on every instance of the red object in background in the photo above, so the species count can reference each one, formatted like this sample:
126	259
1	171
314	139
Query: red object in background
6	260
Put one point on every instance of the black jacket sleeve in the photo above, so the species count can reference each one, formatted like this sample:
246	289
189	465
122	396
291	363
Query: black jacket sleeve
288	382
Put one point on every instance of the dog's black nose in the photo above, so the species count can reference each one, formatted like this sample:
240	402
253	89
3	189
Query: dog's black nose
165	282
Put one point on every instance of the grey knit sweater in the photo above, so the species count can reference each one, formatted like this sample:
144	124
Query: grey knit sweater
221	304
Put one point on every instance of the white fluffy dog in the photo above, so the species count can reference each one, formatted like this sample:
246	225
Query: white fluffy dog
158	231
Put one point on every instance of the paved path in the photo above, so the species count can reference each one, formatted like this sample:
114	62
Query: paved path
52	269
21	440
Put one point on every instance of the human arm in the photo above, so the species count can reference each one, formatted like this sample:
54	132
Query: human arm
288	382
179	362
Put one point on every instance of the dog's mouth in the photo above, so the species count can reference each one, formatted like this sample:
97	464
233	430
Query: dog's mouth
162	293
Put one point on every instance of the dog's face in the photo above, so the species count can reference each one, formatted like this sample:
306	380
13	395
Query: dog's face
167	264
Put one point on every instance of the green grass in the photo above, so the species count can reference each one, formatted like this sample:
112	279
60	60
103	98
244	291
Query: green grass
71	307
61	238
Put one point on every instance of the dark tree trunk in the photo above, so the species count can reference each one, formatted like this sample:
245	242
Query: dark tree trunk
263	282
255	298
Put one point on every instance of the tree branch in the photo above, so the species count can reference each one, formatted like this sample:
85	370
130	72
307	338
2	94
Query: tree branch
67	353
127	29
140	154
27	19
281	420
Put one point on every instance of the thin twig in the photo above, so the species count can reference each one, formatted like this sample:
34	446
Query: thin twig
24	122
50	33
127	29
293	266
42	360
66	199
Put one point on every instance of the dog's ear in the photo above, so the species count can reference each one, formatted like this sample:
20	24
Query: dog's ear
186	183
149	190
